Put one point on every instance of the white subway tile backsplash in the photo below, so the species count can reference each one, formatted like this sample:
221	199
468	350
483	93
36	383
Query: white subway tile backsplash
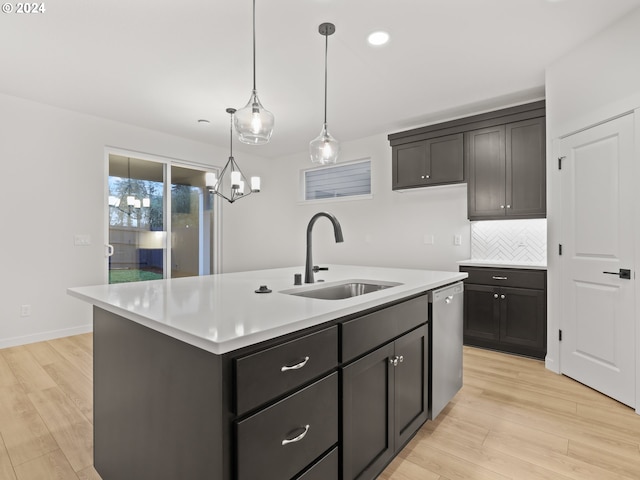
510	240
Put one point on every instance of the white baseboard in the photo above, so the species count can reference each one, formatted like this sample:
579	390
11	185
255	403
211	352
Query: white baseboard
44	336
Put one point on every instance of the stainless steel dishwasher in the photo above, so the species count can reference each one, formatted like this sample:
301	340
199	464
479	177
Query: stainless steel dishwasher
445	346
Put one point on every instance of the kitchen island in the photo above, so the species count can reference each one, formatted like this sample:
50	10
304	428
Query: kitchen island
203	378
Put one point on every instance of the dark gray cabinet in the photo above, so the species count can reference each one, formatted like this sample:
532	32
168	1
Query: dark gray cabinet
500	154
505	309
164	409
289	435
268	373
385	395
485	154
436	161
507	170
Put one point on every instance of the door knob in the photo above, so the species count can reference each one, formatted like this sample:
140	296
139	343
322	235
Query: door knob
624	273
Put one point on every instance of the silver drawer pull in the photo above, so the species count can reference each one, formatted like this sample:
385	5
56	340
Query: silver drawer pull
296	366
495	277
298	438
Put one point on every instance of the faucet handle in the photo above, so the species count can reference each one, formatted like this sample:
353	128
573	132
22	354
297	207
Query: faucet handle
316	268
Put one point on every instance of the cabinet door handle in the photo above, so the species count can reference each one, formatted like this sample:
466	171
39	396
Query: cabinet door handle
298	438
502	297
495	295
296	366
395	360
508	206
501	206
496	277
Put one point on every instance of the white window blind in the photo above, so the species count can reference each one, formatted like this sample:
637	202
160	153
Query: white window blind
338	181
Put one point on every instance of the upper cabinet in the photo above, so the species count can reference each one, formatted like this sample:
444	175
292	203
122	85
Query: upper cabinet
500	154
435	161
506	166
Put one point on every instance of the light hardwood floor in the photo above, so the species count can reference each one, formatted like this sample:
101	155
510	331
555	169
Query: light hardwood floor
512	420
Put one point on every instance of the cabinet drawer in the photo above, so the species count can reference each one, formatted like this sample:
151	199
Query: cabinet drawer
506	277
264	375
368	332
325	469
307	423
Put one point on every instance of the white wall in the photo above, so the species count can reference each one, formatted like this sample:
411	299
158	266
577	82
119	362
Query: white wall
387	230
53	171
52	168
595	82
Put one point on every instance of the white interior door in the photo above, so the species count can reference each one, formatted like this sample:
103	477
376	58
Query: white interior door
598	307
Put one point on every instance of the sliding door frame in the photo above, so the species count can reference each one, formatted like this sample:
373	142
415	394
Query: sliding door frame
166	162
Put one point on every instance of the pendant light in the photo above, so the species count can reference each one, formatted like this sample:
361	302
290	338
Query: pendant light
132	200
324	149
231	183
254	123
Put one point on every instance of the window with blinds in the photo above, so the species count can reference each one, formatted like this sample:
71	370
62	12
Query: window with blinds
338	181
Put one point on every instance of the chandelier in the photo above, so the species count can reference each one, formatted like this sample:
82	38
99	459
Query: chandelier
231	184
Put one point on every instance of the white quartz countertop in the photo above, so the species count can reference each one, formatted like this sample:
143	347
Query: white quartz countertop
221	313
503	264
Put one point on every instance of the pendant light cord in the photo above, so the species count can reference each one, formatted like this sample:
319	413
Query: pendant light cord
254	45
231	137
326	48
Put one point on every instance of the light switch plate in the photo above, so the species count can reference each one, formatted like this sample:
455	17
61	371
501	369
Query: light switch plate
82	240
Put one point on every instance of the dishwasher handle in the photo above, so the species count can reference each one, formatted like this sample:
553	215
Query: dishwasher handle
447	294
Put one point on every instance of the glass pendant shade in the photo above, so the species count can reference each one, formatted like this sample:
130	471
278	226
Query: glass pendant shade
254	123
324	149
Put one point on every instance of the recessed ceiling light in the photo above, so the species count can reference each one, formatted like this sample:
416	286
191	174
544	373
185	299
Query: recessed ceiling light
378	38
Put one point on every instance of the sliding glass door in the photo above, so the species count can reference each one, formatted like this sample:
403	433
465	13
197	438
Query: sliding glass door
160	214
192	226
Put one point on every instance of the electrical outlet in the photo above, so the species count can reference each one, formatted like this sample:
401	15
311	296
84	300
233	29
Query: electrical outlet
82	240
457	240
25	310
522	241
429	239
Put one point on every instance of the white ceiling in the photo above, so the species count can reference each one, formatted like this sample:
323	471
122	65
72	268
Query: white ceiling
165	64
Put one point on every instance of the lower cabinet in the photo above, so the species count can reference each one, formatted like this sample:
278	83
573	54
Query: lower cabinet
505	309
336	402
289	435
385	395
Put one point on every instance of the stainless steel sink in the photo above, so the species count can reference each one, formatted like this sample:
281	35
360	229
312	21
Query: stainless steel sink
341	291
